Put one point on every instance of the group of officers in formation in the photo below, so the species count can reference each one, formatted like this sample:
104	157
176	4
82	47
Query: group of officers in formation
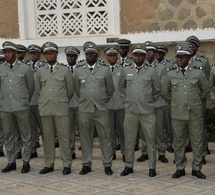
126	99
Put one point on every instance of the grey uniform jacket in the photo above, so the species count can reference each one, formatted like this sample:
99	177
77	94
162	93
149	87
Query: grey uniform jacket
35	97
117	101
55	90
141	89
93	88
186	93
202	62
16	87
159	102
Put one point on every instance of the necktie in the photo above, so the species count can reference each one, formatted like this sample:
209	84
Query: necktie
138	69
11	66
123	60
51	69
183	71
91	69
112	68
33	65
72	69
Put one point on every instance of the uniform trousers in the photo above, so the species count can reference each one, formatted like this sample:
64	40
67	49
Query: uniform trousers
168	125
73	117
195	128
116	120
101	121
63	131
132	124
36	123
10	120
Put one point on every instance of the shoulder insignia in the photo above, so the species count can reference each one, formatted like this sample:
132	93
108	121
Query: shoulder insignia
169	69
213	64
102	63
203	57
197	59
197	67
81	63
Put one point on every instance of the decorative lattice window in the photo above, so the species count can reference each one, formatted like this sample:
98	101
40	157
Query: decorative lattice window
60	18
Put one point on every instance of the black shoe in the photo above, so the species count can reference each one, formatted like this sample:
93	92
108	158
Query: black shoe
188	149
25	167
170	149
56	145
142	158
46	170
208	151
9	167
38	144
163	159
18	155
1	154
66	171
127	171
204	160
108	171
114	156
118	147
34	154
85	170
73	156
198	174
152	173
178	173
123	158
136	147
79	148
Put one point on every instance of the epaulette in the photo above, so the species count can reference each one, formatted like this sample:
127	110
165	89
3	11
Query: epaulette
81	63
203	57
100	60
127	64
197	67
41	63
169	69
149	65
197	59
63	64
213	64
102	63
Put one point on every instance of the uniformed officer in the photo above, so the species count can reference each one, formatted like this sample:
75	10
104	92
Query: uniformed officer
2	60
201	61
94	86
54	83
116	105
16	90
160	57
21	53
124	45
160	105
35	63
186	88
72	57
2	57
140	84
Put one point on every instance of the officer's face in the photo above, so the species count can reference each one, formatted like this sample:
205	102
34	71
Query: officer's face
10	55
160	56
182	60
20	55
112	58
35	56
150	55
91	57
51	57
138	58
123	50
71	59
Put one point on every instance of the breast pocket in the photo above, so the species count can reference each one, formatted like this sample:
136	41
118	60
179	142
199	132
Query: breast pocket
129	80
174	84
43	81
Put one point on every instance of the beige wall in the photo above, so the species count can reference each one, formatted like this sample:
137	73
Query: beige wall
9	19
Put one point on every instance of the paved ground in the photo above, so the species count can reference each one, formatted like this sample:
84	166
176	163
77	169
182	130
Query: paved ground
96	182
